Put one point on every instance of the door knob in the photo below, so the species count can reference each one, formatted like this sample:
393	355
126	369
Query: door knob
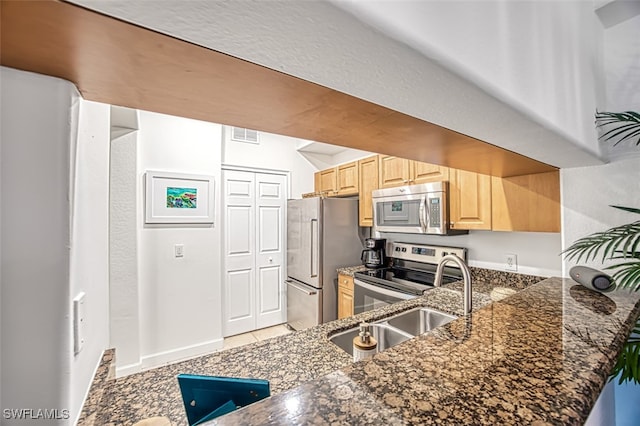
270	259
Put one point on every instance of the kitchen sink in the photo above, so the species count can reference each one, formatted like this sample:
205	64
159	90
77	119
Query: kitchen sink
397	329
419	321
385	335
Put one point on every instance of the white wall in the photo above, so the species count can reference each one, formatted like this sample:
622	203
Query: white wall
536	56
622	65
124	306
37	121
275	152
179	299
587	193
538	252
89	267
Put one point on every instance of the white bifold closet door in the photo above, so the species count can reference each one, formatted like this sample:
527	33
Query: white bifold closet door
254	253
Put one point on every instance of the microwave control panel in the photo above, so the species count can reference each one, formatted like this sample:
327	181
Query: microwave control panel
434	212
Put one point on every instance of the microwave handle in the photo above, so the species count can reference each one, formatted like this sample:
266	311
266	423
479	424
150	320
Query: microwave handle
423	215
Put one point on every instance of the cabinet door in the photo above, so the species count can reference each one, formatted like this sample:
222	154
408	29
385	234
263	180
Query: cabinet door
347	179
345	296
425	172
394	171
526	203
316	182
328	181
470	200
368	181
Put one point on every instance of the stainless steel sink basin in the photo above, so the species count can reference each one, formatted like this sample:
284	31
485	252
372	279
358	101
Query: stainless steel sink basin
392	331
419	321
385	335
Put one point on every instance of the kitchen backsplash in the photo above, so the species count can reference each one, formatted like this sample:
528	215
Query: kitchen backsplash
504	279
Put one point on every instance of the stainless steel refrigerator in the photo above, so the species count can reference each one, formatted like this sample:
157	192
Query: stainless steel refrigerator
322	235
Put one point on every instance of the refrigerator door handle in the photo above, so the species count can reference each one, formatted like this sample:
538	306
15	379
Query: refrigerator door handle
301	288
314	248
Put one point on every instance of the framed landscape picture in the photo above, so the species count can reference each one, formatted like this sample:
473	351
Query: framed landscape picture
178	198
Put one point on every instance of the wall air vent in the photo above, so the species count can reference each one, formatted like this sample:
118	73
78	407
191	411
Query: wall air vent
240	134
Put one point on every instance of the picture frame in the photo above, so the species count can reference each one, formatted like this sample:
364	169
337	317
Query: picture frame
178	198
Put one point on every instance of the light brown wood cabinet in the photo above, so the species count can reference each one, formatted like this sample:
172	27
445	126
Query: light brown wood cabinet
347	179
345	296
368	171
424	173
526	203
476	201
469	200
326	181
393	171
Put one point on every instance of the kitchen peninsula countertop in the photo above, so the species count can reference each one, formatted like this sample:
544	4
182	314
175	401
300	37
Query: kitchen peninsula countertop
538	357
541	355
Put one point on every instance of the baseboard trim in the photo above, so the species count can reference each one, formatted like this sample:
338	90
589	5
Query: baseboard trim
128	369
180	354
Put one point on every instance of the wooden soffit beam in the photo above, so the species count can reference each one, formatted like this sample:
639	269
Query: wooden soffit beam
119	63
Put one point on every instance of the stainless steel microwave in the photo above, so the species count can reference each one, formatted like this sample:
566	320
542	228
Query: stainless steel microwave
413	209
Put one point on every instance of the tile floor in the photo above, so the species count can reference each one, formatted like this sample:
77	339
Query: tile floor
254	336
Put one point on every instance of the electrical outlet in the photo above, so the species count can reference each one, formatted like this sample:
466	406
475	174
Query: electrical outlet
511	262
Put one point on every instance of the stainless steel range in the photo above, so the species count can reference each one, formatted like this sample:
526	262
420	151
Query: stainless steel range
412	271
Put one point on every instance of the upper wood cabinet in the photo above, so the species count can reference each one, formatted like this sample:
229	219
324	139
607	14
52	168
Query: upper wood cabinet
368	169
469	200
526	203
326	181
420	172
347	179
393	171
476	201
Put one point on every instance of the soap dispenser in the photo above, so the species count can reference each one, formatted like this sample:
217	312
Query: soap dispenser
364	344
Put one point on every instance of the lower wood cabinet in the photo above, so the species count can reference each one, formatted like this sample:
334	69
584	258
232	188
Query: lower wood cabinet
345	296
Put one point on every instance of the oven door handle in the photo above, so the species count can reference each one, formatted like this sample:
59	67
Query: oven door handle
421	214
381	290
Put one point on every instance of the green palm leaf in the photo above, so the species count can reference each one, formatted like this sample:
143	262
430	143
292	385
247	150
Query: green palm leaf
627	125
627	275
628	361
623	239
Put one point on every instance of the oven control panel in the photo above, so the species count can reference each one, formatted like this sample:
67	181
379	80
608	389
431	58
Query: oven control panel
424	253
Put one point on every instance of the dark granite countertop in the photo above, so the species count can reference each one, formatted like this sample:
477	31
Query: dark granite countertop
540	354
349	270
538	357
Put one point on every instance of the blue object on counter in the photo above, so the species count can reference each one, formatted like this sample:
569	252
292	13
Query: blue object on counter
207	397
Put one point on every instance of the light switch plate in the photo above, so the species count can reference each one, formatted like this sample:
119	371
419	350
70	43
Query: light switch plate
178	250
78	322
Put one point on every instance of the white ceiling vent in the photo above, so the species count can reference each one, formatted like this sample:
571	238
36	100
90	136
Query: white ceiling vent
244	135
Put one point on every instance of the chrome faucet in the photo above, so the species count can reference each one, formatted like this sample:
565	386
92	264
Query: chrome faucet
466	277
